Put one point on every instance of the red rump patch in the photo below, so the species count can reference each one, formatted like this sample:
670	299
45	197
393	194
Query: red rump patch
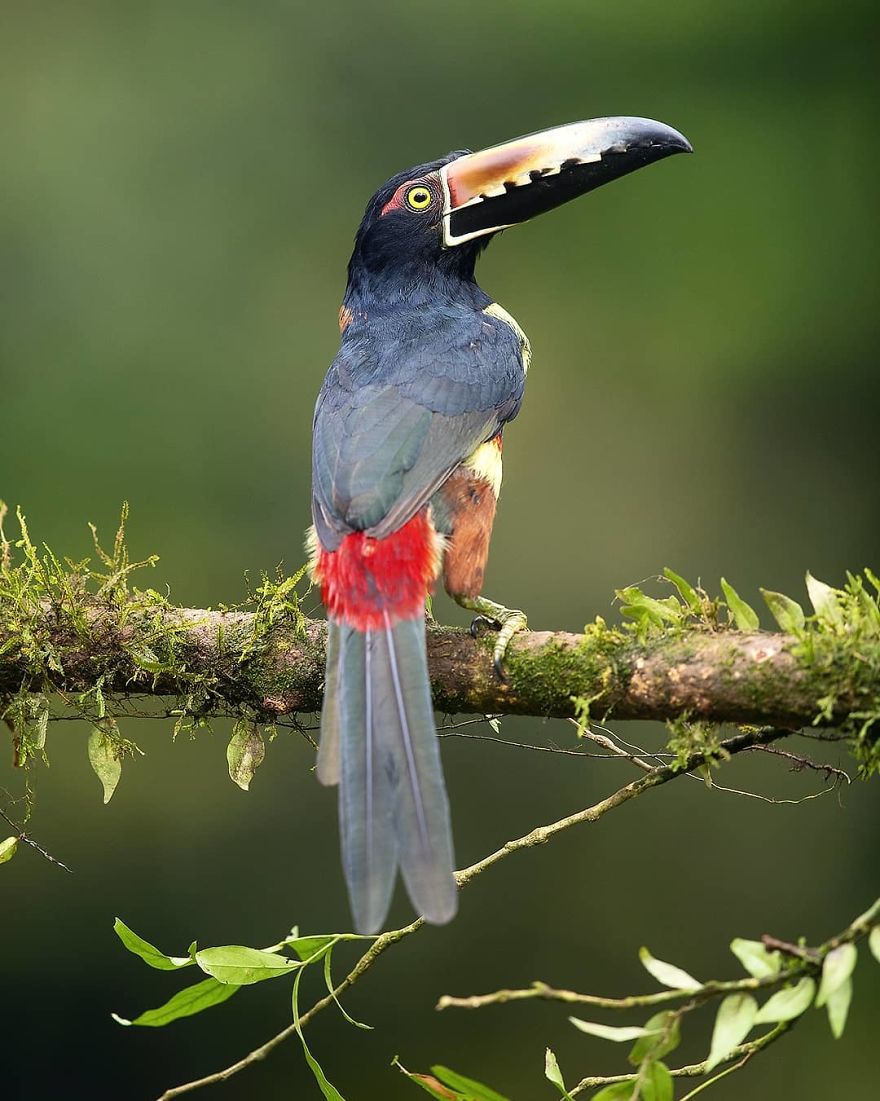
366	577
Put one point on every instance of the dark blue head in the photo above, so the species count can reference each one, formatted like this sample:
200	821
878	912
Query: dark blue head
399	249
422	230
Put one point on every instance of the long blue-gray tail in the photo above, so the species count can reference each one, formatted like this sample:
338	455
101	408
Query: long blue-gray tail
379	744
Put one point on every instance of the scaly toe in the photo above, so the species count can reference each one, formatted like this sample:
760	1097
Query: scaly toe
514	621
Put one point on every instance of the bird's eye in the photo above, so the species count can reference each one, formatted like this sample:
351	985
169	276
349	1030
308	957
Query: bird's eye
418	198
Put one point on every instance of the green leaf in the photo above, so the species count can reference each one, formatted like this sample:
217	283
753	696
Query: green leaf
667	973
234	963
310	949
788	1003
836	969
147	952
330	1092
324	1084
637	605
185	1003
7	849
144	658
825	601
245	753
28	715
743	615
553	1074
104	756
735	1018
331	990
787	612
619	1034
686	590
617	1091
473	1090
874	942
756	958
665	1036
838	1007
657	1083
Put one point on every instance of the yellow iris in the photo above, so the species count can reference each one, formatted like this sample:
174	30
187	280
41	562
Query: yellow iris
418	198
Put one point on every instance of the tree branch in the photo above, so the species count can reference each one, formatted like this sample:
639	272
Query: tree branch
808	963
739	1055
237	662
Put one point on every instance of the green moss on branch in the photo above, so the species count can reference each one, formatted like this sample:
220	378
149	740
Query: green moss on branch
84	630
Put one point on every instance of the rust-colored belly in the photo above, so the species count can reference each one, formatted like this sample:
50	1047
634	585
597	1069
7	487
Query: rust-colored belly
471	503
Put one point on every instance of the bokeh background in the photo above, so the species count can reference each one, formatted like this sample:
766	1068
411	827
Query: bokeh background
180	184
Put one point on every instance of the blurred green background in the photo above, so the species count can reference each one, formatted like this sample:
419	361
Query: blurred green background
179	189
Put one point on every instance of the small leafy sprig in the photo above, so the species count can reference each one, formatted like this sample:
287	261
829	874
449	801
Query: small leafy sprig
51	606
795	976
229	967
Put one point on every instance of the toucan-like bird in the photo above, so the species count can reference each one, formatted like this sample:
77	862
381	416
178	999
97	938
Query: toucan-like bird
406	464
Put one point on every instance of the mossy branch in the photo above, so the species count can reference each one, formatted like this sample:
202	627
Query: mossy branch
84	631
235	663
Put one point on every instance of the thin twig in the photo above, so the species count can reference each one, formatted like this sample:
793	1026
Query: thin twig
446	732
693	1070
22	836
538	836
717	1077
633	1001
385	940
609	744
801	762
771	799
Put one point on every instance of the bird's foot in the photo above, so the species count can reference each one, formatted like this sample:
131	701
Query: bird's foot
507	621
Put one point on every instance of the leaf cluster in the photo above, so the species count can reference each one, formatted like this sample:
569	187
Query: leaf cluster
794	977
230	967
837	644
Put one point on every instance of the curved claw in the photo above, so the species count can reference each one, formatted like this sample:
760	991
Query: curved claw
511	623
481	620
500	671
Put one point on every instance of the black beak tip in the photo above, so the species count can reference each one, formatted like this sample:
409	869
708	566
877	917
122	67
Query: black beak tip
663	139
683	145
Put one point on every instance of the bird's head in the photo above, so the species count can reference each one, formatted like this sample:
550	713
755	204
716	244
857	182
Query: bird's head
435	218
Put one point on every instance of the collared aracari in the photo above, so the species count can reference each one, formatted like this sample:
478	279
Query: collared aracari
406	473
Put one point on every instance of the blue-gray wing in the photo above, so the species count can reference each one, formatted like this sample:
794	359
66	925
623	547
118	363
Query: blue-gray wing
399	412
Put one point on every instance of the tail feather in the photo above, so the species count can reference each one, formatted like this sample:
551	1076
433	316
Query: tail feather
369	843
328	751
378	740
420	807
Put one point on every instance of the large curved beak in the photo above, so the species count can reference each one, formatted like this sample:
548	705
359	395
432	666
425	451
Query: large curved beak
507	184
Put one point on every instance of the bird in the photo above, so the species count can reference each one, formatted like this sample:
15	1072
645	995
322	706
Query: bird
406	472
